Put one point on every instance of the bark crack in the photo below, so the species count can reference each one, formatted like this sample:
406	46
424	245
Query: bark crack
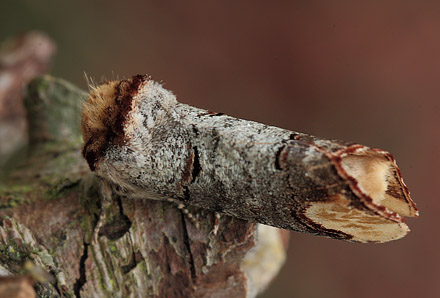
197	168
186	241
81	280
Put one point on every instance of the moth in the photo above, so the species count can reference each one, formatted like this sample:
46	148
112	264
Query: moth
139	137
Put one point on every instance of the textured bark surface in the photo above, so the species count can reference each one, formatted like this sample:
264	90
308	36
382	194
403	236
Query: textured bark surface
21	59
57	214
138	136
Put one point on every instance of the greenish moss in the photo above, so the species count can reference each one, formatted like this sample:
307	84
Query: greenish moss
143	268
14	195
41	85
10	189
45	290
84	224
56	108
66	145
89	195
113	248
9	202
61	187
13	256
113	283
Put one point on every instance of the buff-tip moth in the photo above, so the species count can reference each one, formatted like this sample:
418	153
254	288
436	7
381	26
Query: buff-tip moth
138	137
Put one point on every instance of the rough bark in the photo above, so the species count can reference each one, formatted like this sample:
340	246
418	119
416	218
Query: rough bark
57	214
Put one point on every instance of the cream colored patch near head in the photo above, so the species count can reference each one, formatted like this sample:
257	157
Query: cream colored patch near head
337	214
95	108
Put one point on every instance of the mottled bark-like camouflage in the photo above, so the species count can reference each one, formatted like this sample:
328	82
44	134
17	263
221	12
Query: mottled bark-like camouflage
153	147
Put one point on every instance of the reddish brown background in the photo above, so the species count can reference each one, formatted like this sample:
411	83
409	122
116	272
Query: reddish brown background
369	73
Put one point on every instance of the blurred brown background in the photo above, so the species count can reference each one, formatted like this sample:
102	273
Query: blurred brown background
365	72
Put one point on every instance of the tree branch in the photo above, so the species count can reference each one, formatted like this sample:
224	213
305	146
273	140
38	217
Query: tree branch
57	214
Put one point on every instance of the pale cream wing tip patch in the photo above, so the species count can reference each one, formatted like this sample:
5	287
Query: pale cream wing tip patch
377	181
362	226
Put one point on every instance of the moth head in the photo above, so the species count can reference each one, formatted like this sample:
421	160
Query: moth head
105	113
97	108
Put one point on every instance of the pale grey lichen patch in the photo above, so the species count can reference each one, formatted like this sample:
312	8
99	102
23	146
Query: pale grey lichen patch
18	245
